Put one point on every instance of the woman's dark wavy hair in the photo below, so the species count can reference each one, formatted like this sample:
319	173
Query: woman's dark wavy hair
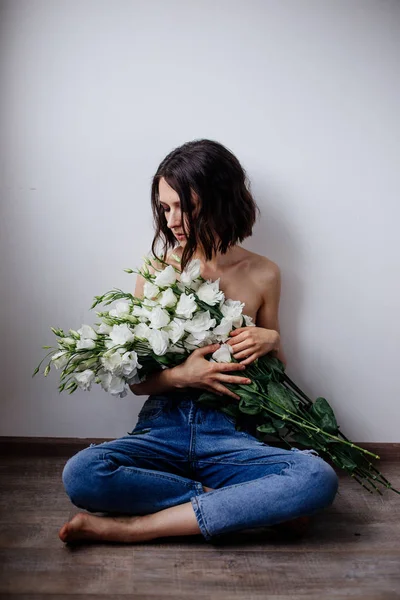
227	208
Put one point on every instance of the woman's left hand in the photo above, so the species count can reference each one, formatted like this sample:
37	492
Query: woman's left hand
249	343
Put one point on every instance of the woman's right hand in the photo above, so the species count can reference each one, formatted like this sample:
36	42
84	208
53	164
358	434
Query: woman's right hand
198	372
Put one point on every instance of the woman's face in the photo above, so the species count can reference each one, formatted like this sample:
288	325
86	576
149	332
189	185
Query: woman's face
170	204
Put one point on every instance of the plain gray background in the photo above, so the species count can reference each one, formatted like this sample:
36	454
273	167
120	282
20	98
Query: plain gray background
306	93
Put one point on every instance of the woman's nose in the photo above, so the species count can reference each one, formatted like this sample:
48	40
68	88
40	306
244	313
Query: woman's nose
174	220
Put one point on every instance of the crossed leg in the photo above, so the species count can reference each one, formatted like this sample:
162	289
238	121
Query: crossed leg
173	521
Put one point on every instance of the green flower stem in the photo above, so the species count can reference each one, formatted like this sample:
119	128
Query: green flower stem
309	402
361	483
297	389
38	367
313	427
164	263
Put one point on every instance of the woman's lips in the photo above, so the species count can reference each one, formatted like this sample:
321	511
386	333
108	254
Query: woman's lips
180	236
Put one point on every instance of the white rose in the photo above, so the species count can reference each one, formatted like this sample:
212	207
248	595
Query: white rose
166	277
130	364
205	337
60	359
200	322
109	344
121	334
186	306
121	309
117	386
84	379
104	328
133	379
176	350
249	321
191	343
191	272
112	361
142	312
86	331
67	342
223	354
158	341
104	378
141	330
150	290
168	298
232	309
209	292
176	330
149	302
198	340
87	343
159	318
223	329
112	384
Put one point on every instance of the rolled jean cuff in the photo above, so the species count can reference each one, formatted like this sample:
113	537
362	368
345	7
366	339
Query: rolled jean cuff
199	516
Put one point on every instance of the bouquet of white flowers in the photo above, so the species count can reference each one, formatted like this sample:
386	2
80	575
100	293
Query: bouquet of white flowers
179	313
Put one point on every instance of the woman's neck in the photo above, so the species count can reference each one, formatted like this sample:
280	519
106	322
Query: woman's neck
218	261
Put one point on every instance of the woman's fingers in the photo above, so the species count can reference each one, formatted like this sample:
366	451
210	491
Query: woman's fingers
221	388
228	367
207	349
233	379
249	360
244	354
241	346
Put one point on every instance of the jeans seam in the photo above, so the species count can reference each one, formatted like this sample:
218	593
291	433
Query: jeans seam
200	518
246	482
153	473
243	464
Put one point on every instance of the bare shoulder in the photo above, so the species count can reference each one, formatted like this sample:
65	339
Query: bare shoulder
261	269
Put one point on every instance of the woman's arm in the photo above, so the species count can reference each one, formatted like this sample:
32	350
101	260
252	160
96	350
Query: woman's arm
157	383
249	343
268	313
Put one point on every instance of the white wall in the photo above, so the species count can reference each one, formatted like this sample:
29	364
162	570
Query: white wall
306	94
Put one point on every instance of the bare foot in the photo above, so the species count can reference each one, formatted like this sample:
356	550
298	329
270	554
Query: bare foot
206	489
83	526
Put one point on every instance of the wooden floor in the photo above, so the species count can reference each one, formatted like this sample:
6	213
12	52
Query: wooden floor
352	550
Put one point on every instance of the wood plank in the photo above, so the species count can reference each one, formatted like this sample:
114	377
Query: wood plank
98	570
352	550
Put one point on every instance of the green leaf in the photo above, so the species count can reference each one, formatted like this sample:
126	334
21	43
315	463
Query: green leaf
279	424
209	399
278	393
302	439
324	416
272	363
266	428
249	403
262	380
347	462
231	409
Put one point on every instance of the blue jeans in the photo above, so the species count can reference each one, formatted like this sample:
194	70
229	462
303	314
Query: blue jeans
176	447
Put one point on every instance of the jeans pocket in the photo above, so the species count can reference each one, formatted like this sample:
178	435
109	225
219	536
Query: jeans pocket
152	409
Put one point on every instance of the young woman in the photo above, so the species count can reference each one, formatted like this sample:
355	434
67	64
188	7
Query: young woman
187	470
